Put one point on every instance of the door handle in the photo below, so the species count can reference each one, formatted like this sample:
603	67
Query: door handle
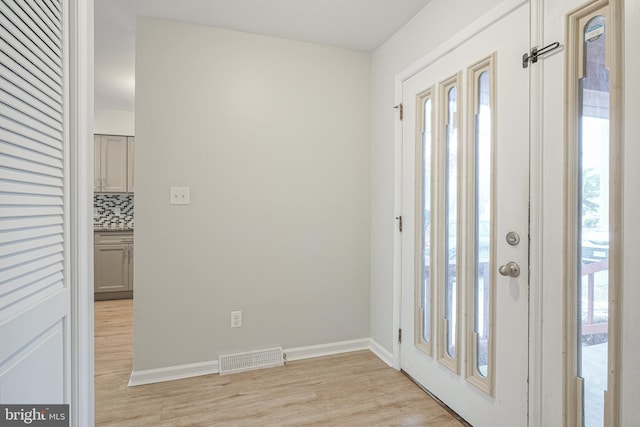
510	269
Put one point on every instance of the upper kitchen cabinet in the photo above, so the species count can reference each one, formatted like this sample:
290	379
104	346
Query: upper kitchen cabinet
113	164
130	146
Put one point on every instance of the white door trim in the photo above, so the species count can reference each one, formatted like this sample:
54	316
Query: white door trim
535	337
535	220
81	210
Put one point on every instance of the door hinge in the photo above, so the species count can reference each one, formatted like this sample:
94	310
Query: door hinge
399	218
400	109
533	55
400	336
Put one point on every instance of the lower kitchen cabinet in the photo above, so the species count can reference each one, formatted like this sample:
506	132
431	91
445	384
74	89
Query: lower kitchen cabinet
113	265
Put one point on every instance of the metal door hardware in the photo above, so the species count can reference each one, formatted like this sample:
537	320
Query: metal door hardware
535	53
510	269
513	238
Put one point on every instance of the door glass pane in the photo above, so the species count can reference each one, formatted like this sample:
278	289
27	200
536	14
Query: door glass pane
451	221
425	300
593	285
483	213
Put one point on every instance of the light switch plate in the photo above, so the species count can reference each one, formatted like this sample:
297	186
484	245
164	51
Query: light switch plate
236	319
180	196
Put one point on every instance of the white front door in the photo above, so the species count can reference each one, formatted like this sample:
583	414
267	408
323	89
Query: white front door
465	289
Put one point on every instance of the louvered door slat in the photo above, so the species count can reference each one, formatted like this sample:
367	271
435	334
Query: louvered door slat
42	20
29	189
19	129
29	39
24	282
21	233
7	211
25	165
29	244
37	221
32	82
20	112
28	199
34	264
38	29
18	152
58	7
26	48
22	258
32	101
38	278
31	116
29	144
53	281
35	41
55	9
46	16
31	178
24	58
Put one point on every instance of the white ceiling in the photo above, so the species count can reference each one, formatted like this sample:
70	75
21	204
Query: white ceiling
352	24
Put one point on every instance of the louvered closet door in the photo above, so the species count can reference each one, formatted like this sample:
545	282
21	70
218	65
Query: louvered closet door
34	295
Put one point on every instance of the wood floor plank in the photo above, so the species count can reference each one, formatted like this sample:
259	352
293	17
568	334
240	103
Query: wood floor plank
353	389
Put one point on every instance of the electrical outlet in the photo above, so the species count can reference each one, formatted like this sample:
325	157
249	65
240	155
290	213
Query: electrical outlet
236	319
180	195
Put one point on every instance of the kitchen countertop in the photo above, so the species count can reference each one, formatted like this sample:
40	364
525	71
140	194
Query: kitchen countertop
111	228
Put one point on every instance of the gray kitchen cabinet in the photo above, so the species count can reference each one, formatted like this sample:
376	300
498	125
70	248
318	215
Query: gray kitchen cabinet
131	141
111	164
97	177
113	265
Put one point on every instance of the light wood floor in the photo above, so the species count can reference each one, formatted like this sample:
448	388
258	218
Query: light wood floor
354	389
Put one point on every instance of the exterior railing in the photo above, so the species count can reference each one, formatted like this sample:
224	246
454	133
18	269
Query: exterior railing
589	326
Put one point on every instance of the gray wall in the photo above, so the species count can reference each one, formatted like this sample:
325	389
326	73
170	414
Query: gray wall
273	137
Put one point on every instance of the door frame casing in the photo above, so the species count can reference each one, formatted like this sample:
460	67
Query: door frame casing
80	199
535	333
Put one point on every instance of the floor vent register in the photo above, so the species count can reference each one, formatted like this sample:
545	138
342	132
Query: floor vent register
250	360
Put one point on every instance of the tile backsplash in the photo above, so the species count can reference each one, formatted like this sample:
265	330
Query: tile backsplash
113	210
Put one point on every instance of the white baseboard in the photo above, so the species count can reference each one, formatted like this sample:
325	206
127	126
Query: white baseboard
170	373
300	353
382	353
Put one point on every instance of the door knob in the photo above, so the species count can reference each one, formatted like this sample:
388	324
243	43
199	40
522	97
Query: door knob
510	269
